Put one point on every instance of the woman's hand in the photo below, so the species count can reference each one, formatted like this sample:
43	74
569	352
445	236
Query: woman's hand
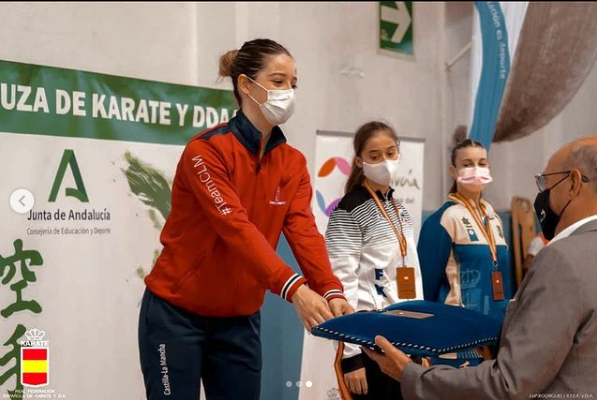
311	308
340	307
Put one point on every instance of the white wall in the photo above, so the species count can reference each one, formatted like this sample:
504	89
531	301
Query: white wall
456	81
323	38
151	41
181	43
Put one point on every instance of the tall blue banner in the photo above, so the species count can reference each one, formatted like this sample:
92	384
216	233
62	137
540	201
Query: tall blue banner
494	72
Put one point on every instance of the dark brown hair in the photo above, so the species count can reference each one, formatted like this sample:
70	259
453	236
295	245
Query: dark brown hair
462	145
249	60
364	133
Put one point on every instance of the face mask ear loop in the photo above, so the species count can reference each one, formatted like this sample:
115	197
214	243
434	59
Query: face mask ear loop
252	98
256	102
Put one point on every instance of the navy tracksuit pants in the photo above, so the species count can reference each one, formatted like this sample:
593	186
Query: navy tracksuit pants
180	349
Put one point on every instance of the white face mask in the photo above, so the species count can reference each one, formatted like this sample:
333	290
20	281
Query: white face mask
279	105
381	173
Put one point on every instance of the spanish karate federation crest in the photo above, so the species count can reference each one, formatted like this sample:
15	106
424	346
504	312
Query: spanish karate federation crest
35	359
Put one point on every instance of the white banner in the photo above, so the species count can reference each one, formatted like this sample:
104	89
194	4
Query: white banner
98	154
94	254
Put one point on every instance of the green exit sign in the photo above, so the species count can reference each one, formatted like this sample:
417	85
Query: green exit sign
396	27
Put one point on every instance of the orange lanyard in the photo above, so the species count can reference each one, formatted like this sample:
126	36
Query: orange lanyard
399	235
485	228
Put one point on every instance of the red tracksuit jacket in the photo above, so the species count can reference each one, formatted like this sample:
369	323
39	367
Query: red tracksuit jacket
228	210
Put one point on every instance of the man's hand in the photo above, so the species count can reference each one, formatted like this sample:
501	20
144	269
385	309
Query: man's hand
340	307
393	362
311	308
356	381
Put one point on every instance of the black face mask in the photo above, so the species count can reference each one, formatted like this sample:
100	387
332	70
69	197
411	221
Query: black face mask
548	219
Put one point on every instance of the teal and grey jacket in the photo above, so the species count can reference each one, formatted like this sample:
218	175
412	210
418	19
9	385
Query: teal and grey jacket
456	261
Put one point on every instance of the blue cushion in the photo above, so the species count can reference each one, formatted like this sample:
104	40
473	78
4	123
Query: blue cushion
420	328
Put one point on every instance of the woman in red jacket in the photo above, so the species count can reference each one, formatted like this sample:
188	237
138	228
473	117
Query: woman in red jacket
237	187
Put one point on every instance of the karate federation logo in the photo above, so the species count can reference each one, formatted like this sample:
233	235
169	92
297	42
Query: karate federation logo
35	359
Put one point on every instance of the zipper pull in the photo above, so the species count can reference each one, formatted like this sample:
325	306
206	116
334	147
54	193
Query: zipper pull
258	166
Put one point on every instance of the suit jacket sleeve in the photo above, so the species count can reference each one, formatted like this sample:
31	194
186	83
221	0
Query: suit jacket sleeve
538	333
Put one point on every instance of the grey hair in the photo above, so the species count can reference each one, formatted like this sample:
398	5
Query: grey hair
583	155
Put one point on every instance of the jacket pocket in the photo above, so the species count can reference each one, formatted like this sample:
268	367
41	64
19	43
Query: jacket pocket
188	273
509	313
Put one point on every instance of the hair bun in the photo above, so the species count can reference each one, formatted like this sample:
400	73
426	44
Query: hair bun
226	61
